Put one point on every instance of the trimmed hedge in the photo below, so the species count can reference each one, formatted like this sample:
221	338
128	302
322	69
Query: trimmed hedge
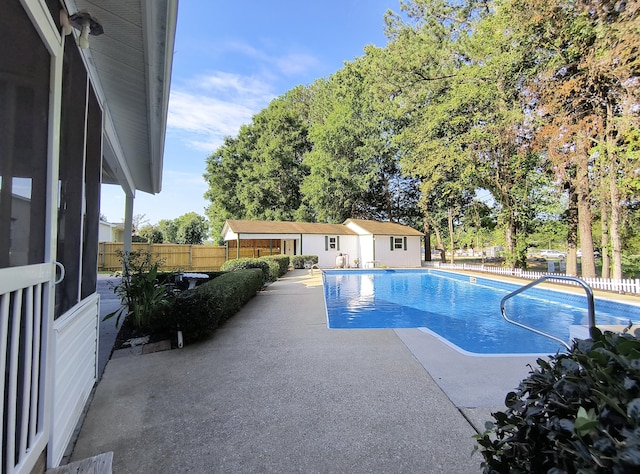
274	270
245	263
198	312
281	260
298	261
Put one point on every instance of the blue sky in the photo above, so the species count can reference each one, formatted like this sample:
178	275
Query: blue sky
231	59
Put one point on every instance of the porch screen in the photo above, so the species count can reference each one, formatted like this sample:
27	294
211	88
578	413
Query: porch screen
24	111
79	182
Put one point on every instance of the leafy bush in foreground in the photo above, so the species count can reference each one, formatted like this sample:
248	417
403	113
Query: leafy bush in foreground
198	312
142	297
577	412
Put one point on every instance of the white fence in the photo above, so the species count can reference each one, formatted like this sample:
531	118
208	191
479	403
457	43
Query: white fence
607	284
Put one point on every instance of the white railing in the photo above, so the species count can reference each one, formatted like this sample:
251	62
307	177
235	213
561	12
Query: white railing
23	343
606	284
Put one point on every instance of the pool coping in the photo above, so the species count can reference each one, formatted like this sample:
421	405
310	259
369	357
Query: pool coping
624	298
477	384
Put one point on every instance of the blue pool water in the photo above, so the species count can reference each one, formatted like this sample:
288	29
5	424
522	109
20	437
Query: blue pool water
466	314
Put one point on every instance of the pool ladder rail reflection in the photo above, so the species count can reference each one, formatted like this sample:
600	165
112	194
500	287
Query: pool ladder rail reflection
579	281
315	265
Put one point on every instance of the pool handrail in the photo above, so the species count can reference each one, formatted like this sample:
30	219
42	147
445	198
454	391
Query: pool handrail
580	281
316	266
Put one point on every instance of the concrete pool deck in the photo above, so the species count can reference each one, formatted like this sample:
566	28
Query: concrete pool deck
275	390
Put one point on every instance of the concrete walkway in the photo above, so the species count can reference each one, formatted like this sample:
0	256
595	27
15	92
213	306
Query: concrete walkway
109	302
275	390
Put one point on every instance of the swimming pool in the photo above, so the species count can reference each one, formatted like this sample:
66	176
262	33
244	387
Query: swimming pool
462	312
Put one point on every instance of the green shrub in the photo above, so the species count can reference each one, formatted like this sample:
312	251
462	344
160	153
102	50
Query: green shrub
142	297
576	412
245	263
274	270
631	265
281	260
299	261
198	312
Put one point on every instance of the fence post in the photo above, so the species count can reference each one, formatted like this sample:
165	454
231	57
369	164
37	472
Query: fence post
191	257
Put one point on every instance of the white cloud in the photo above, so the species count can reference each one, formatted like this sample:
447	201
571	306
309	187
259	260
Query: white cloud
293	64
245	88
211	107
181	178
201	114
204	109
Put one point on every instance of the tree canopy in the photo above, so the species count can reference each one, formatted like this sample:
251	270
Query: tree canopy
535	103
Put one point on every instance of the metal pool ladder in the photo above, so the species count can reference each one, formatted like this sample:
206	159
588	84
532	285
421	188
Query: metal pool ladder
590	304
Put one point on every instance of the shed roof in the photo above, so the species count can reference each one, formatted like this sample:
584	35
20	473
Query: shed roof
383	228
284	227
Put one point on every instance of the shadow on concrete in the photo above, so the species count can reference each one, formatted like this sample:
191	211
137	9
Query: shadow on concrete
108	332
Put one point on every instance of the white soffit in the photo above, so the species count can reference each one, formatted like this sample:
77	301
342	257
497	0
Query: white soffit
131	68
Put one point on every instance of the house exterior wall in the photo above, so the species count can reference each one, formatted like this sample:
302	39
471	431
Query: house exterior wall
367	247
316	244
110	232
398	257
76	362
106	232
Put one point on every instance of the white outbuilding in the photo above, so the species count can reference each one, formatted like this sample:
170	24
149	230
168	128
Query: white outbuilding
360	243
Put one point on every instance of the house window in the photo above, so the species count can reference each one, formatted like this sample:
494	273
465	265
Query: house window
331	243
397	243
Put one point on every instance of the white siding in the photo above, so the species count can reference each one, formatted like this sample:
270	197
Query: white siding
314	244
76	348
398	257
105	232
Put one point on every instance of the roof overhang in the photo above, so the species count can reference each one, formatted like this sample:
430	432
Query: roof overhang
130	66
247	229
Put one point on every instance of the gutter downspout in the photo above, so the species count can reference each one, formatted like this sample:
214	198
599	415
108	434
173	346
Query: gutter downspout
374	246
128	223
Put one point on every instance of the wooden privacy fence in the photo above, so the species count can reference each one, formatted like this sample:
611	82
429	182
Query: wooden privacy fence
178	256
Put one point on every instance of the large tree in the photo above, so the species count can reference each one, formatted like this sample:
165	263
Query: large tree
258	174
452	71
192	229
586	87
353	165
